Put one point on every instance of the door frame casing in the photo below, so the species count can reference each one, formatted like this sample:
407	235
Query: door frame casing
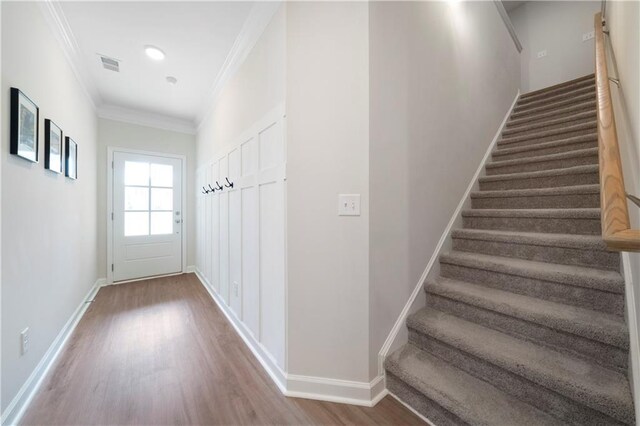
183	160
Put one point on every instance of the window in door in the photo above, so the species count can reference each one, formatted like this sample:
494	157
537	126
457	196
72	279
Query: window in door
148	199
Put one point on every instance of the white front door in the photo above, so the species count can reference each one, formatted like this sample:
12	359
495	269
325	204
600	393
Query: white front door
147	215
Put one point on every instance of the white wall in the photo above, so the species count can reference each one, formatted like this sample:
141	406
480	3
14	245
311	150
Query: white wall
132	136
623	47
255	89
443	76
48	221
328	151
557	27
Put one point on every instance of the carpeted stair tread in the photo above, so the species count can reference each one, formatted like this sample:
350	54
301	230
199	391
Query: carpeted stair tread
536	192
523	118
578	116
582	242
567	85
538	213
539	134
532	149
580	196
530	177
567	249
526	102
556	101
472	400
579	153
517	113
577	276
587	383
599	326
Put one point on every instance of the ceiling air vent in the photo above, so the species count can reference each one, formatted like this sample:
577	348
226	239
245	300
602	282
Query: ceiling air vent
110	63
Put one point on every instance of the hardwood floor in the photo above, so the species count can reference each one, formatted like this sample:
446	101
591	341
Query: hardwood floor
161	352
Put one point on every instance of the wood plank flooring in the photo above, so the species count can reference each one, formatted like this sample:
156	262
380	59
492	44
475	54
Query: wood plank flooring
160	352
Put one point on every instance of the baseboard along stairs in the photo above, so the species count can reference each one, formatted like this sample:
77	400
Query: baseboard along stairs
525	324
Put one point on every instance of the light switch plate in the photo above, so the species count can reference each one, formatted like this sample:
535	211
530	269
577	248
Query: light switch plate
348	204
542	53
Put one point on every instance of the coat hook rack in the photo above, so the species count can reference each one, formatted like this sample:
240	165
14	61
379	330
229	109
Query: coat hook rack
228	184
220	187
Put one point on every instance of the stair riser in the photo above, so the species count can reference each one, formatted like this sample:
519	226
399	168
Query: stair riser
601	353
541	182
498	156
523	112
419	402
569	256
560	97
549	104
561	201
542	126
535	224
560	163
541	397
531	118
529	140
598	300
560	90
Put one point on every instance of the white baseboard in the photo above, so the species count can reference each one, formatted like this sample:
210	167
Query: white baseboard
297	386
335	390
15	410
191	269
393	339
632	324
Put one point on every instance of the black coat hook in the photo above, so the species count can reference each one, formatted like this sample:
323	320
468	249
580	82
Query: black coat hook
230	184
219	188
212	189
204	190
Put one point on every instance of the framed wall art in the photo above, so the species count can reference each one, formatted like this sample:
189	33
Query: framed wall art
52	147
71	157
24	126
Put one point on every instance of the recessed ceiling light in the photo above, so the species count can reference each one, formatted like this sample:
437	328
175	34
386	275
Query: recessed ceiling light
154	53
172	80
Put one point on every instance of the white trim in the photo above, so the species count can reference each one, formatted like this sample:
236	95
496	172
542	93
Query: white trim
507	23
144	118
16	408
185	225
410	408
253	27
59	25
365	394
135	280
632	324
392	339
191	269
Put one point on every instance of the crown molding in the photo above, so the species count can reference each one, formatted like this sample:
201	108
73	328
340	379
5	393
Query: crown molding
148	119
259	17
59	25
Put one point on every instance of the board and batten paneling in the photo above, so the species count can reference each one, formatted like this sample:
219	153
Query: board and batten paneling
241	231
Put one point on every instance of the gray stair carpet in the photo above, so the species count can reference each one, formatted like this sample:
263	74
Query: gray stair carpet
525	324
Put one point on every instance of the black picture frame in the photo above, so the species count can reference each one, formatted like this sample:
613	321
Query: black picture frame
53	147
24	126
71	158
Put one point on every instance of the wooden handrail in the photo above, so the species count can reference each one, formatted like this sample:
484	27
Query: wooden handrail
616	230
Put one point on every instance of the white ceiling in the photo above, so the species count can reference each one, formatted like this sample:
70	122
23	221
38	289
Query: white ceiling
197	38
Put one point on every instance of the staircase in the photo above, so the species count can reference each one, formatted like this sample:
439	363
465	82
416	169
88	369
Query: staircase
525	325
